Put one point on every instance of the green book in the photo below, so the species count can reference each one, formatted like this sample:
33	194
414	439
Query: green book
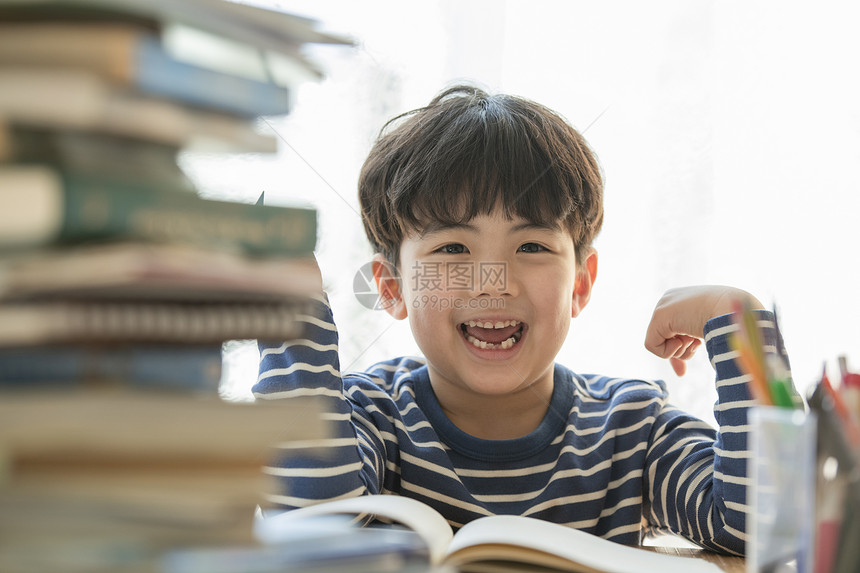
91	152
40	206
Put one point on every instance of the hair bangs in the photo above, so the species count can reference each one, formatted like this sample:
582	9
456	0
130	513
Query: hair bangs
490	159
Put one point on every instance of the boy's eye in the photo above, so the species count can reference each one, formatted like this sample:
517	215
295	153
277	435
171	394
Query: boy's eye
531	248
452	249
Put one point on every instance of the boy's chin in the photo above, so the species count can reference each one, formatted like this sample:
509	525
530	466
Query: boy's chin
497	383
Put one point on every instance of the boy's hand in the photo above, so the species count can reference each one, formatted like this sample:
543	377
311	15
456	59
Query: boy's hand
676	327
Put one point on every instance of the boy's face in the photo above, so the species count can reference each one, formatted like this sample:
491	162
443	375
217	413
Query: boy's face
490	303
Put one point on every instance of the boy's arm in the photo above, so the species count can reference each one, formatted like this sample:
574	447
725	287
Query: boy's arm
697	482
348	464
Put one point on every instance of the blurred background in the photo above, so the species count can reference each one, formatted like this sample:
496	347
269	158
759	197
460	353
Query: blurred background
728	132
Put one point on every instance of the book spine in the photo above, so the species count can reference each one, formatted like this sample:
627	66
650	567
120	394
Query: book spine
89	103
26	324
193	368
157	73
122	158
133	57
100	208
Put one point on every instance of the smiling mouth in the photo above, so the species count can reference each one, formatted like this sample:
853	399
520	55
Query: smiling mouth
498	335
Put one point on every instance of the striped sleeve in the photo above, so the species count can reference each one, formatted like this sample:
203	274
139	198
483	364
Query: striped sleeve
347	464
697	478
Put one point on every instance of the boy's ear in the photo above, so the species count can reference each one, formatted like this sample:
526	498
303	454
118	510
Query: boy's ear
586	274
388	287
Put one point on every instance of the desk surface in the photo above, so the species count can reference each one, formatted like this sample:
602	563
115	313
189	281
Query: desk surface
727	563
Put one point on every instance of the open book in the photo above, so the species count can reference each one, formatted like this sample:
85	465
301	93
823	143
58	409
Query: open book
500	543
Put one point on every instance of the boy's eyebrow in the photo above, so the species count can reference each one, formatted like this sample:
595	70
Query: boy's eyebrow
531	226
438	227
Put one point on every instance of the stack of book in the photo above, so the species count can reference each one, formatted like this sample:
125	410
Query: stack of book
119	283
117	481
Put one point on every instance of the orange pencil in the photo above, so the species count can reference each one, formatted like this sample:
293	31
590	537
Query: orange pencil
747	362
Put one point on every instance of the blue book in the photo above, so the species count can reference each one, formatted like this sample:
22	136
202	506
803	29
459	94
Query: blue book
184	368
135	57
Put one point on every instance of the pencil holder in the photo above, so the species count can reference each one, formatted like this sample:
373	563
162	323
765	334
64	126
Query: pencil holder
782	471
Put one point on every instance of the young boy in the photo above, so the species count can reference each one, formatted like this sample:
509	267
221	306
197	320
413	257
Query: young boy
482	209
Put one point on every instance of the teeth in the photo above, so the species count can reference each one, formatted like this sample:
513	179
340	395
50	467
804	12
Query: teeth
489	324
504	345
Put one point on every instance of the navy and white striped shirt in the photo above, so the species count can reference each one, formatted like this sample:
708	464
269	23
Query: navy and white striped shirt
608	453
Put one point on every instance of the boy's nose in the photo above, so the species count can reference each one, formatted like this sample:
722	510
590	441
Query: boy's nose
493	278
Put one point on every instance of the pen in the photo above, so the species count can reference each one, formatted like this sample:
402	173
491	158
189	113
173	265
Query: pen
779	383
850	389
788	396
850	429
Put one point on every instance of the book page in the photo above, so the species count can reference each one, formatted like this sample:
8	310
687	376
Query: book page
417	516
509	537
